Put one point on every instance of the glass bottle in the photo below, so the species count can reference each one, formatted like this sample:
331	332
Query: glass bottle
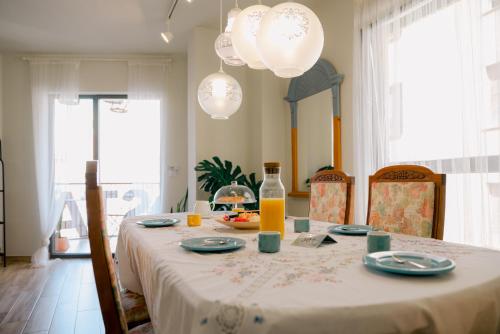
272	200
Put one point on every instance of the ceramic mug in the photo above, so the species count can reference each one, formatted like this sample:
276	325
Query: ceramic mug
378	241
203	208
301	225
269	241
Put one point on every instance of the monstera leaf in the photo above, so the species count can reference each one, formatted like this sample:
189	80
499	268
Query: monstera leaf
217	174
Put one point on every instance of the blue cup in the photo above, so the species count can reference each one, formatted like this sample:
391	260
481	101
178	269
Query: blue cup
301	225
269	241
378	241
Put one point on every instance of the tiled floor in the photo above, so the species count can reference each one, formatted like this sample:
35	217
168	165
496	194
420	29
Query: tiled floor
59	299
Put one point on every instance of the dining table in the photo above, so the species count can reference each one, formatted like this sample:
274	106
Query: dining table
302	290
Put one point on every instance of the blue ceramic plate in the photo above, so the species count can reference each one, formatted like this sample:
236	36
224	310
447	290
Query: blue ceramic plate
408	263
212	244
350	229
158	222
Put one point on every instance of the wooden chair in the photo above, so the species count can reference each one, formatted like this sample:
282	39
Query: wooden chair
332	194
111	300
407	199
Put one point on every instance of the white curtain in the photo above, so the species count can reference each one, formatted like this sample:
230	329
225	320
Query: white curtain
147	84
456	108
49	80
370	87
450	122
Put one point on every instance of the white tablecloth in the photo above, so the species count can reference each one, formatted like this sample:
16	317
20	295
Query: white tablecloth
301	290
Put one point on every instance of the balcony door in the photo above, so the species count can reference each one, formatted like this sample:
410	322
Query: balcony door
126	141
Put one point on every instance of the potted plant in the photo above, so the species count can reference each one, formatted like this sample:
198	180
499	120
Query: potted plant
61	243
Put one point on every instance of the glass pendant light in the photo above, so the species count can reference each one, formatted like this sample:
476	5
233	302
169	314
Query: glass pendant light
219	94
290	39
224	45
244	34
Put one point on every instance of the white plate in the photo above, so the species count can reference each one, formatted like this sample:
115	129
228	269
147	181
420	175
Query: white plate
239	225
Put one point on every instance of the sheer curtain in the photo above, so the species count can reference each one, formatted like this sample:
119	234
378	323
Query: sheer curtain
147	90
49	80
426	92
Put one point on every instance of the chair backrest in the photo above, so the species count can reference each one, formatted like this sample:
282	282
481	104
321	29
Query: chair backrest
332	197
407	199
102	259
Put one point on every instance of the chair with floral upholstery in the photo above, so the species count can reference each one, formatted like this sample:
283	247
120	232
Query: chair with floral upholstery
407	199
122	312
332	194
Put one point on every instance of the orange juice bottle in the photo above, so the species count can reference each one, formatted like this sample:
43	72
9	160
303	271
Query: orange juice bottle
272	200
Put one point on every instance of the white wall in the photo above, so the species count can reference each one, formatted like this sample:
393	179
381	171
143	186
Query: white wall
1	96
229	139
95	77
21	207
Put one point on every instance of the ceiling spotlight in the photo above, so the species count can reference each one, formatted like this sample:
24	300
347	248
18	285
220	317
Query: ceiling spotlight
167	35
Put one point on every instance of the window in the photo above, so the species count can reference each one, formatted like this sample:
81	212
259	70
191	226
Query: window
126	141
444	111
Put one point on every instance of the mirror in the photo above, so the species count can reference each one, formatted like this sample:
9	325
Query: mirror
314	99
314	136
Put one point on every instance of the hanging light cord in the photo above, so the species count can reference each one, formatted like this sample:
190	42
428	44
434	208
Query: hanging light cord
220	31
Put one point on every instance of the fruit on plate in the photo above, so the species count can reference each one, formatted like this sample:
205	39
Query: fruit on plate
242	217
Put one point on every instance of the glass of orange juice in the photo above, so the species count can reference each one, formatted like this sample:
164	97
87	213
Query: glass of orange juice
194	220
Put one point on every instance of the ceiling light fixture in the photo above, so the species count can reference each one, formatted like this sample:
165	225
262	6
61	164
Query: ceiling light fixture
167	35
223	44
117	106
219	94
244	34
290	39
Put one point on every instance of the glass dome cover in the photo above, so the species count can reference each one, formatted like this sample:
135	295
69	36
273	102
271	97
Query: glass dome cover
234	194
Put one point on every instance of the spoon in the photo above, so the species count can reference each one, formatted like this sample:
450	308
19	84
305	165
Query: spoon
403	261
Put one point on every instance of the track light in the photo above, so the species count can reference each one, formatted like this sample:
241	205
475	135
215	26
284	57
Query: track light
167	35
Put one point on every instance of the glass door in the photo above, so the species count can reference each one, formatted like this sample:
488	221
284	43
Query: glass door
125	138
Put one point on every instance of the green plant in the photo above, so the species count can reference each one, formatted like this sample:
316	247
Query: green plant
181	205
217	174
327	167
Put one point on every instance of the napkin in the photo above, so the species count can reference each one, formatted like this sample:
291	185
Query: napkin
310	240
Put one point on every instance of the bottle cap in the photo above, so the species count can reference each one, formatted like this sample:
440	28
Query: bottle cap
271	164
271	167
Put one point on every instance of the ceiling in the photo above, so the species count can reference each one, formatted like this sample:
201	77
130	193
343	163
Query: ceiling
105	26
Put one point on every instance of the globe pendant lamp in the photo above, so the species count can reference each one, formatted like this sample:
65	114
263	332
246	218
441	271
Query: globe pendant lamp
219	95
224	45
244	34
290	39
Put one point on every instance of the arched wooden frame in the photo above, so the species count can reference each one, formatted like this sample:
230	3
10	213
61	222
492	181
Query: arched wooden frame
320	77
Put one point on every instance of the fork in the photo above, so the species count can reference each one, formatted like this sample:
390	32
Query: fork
209	242
403	261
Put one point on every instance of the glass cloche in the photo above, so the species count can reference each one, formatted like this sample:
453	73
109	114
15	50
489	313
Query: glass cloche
234	195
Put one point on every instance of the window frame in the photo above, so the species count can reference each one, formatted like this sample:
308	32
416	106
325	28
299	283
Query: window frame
95	154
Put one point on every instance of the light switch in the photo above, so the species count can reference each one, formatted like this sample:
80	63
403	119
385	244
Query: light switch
173	170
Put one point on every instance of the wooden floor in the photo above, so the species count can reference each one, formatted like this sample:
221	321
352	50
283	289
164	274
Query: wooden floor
58	299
